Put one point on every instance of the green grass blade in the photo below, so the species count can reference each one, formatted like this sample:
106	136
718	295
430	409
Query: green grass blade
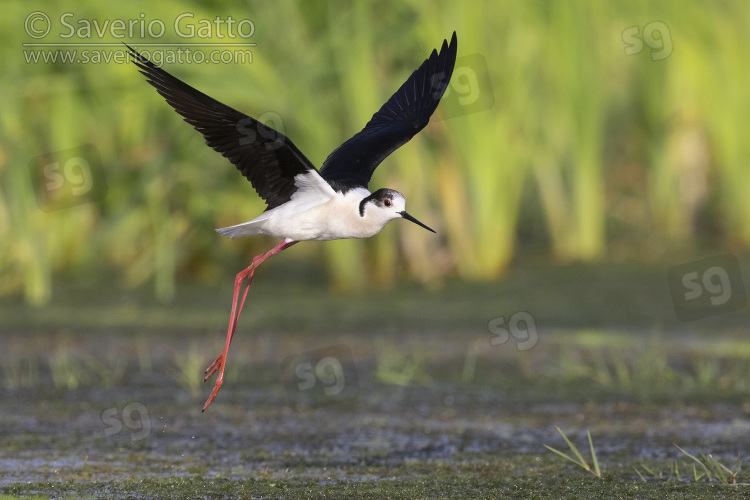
575	450
593	456
567	457
689	455
730	471
639	474
697	460
710	472
716	467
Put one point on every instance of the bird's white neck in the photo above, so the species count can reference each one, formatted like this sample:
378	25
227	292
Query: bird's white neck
352	219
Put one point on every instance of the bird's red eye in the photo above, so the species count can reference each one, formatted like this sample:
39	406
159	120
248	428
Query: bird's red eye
387	203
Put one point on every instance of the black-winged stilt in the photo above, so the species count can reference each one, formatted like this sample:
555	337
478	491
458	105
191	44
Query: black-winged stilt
304	203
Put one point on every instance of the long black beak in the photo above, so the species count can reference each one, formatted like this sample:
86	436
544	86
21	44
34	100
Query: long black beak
406	216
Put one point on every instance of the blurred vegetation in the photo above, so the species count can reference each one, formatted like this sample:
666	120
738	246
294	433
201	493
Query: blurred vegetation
585	152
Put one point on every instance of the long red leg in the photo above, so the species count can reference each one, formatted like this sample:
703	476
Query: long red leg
220	362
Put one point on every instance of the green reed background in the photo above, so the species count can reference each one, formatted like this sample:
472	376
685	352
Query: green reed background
587	153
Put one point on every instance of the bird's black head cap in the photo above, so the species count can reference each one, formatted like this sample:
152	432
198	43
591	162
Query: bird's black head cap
382	198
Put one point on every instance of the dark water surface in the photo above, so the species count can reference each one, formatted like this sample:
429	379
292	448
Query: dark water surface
347	388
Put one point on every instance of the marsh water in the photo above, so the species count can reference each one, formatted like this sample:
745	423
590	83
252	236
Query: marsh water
370	386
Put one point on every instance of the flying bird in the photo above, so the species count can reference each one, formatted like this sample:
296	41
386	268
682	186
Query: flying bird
304	203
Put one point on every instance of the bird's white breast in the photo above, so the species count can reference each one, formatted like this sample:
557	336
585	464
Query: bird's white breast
335	218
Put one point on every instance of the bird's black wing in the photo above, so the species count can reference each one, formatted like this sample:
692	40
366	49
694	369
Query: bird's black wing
407	112
267	158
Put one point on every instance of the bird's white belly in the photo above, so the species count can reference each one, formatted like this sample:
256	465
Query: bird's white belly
337	218
318	223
